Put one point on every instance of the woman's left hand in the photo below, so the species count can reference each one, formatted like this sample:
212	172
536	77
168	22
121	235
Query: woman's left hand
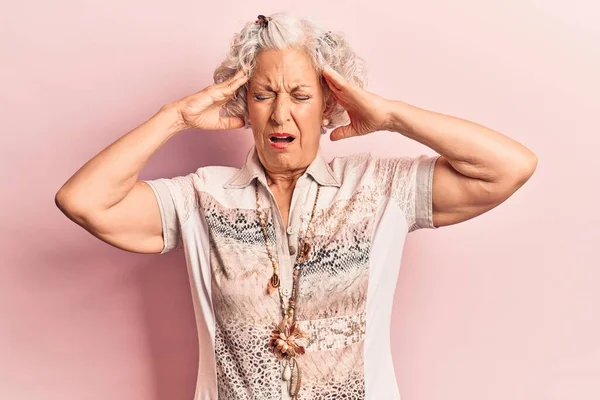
368	112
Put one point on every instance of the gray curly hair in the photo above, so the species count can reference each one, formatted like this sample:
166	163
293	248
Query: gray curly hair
282	31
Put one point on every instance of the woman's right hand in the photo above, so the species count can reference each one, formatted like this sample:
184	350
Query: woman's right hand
201	110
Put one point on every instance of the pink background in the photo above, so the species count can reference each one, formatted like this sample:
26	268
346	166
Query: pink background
504	306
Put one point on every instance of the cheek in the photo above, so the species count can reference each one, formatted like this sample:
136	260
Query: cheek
309	120
259	115
252	109
308	114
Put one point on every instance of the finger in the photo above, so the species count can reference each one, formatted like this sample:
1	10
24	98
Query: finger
238	75
334	89
342	132
225	90
333	78
234	84
231	123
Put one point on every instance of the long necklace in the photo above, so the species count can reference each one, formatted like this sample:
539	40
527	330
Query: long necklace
287	340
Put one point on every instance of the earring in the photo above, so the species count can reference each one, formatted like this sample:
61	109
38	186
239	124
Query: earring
325	122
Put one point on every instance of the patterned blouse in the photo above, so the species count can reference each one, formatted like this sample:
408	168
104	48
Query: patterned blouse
367	205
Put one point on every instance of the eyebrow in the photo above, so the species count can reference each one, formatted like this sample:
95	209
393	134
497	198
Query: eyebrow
270	88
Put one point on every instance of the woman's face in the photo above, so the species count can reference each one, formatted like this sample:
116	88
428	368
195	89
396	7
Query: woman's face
285	96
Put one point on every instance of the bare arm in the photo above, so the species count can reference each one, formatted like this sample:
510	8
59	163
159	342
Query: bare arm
106	198
479	168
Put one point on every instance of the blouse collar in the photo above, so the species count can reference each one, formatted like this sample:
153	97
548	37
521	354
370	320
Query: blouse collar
318	169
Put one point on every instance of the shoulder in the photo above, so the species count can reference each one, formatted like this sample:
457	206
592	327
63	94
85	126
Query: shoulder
367	161
383	171
213	177
372	166
352	162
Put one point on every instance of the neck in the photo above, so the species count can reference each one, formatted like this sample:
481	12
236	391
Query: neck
283	182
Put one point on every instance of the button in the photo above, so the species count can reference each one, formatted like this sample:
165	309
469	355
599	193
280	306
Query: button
290	230
292	250
286	292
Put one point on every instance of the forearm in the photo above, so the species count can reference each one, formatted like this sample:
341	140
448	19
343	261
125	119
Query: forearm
108	177
472	149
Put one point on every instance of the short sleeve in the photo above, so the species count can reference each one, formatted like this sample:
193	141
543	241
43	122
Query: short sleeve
177	200
408	181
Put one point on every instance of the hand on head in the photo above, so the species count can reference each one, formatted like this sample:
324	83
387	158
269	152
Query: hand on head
368	112
201	110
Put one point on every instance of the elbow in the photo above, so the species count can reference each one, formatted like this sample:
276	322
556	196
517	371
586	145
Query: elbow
527	168
78	211
68	207
516	175
59	200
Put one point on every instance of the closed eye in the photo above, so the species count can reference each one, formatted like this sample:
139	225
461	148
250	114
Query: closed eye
262	98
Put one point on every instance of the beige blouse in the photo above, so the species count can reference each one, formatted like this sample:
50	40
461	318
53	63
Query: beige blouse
367	205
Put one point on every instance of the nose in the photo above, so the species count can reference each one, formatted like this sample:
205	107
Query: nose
281	110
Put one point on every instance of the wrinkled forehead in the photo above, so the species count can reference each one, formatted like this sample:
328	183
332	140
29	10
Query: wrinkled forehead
291	68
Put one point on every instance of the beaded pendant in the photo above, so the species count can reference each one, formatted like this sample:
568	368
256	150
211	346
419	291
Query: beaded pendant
287	342
273	283
306	251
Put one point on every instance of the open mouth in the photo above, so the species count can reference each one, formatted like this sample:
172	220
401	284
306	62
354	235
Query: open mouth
280	140
287	139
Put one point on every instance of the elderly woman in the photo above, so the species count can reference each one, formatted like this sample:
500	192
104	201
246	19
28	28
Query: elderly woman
292	259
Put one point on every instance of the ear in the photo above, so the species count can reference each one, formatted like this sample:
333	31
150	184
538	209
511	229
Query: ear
329	101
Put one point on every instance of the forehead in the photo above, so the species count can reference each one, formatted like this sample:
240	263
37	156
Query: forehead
289	67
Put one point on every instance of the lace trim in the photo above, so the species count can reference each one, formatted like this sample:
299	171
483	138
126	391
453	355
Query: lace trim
188	202
395	179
